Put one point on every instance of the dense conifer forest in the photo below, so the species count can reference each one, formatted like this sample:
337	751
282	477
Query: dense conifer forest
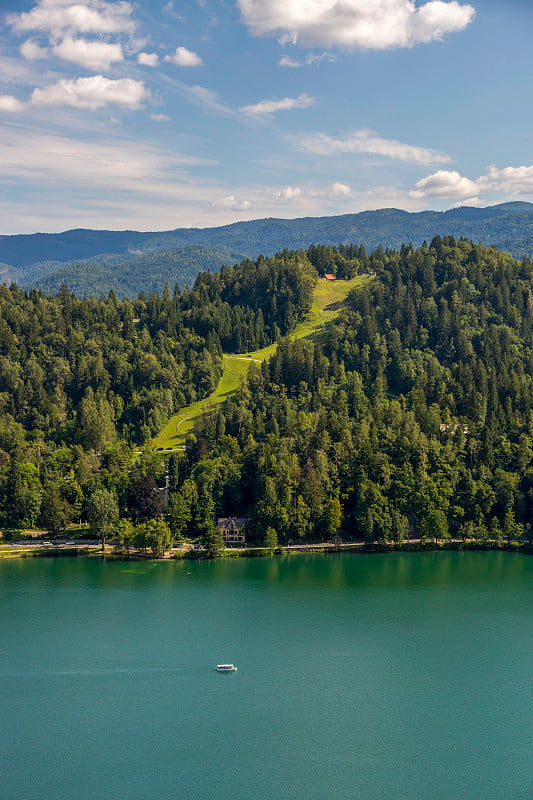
410	417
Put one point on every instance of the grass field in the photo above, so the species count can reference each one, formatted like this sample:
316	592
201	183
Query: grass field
327	302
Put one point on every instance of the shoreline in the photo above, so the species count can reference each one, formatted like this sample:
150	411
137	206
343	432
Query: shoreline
10	552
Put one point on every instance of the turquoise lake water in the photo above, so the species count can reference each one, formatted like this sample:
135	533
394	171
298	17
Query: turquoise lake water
361	677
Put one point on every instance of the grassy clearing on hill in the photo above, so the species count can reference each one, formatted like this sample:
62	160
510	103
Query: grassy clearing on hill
327	302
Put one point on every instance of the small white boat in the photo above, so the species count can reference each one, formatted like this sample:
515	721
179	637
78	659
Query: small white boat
226	668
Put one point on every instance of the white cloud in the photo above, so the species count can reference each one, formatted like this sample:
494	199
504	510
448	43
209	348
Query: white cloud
53	160
364	141
504	182
287	61
10	104
512	180
60	17
89	54
160	117
184	58
317	58
286	104
231	203
310	194
340	189
93	93
446	183
288	193
335	190
353	24
205	98
169	9
32	51
17	72
148	59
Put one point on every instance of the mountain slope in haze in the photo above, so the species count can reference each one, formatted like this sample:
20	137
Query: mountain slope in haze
129	277
22	250
30	258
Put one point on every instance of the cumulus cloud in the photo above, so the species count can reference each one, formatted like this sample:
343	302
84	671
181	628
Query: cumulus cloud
285	104
232	203
62	17
449	184
288	193
184	58
446	183
365	141
512	180
92	55
10	104
340	189
148	59
355	23
316	58
32	51
92	93
335	190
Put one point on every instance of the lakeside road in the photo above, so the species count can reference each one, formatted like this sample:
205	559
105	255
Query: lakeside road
22	549
10	550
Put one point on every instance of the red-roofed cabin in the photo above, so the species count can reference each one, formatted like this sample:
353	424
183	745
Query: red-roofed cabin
330	277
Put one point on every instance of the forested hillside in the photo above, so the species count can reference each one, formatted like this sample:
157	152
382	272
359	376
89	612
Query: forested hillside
84	382
414	417
411	417
128	277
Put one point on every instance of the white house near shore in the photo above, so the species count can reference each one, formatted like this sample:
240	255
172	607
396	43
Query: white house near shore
232	529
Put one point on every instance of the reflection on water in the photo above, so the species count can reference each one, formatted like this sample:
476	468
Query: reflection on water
380	571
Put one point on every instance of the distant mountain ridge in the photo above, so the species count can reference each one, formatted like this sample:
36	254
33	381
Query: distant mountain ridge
122	260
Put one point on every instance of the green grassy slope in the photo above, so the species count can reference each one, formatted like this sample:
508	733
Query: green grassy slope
327	302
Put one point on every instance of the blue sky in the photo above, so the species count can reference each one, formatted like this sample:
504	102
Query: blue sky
171	113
